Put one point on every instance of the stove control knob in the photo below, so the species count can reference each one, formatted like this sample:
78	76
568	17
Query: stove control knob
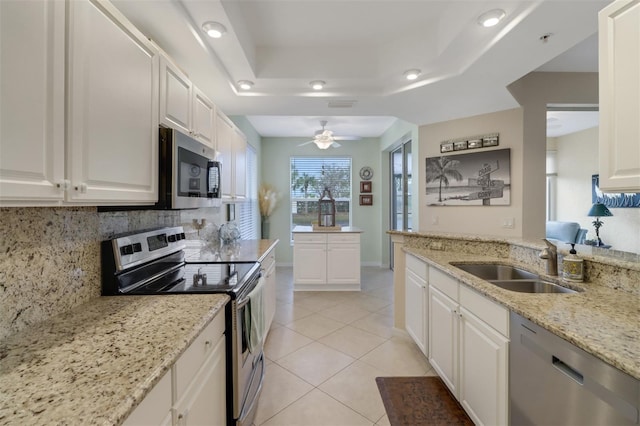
182	236
126	250
172	238
137	247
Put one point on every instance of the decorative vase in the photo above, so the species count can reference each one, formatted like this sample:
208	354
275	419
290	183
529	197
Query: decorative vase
264	229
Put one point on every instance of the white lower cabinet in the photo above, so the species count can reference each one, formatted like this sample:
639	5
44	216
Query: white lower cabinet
326	261
468	347
416	301
155	408
194	391
443	337
204	401
269	274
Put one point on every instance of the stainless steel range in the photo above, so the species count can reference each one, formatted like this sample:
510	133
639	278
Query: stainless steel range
153	262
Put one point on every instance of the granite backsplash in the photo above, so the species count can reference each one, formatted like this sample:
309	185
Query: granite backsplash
50	257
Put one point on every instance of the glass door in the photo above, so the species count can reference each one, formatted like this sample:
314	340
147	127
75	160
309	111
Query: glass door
400	192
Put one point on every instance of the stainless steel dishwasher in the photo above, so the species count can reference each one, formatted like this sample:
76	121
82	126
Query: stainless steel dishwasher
552	382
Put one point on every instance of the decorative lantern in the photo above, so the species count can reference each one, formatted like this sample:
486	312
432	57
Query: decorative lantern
326	210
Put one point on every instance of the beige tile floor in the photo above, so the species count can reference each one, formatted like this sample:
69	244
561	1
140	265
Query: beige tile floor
325	349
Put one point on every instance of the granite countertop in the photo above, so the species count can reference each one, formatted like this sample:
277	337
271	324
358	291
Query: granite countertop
242	251
346	229
598	319
95	364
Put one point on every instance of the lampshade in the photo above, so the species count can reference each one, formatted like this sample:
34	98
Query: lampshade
599	210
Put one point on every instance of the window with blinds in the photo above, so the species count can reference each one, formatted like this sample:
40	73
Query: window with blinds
309	177
247	214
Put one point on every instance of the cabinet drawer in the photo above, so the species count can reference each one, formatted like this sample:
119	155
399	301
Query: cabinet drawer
309	238
192	359
444	283
487	310
343	238
417	266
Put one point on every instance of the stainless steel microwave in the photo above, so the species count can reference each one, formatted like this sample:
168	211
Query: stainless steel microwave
189	175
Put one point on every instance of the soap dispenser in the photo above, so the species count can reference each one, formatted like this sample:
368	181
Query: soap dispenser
573	266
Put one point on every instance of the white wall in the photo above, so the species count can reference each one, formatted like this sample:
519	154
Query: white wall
577	161
479	220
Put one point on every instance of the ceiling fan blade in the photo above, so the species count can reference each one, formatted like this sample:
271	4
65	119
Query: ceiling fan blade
306	143
347	138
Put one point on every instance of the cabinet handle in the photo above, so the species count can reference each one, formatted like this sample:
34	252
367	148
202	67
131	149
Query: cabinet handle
82	188
64	185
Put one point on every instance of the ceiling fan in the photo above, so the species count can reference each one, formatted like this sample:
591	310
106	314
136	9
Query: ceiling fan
325	138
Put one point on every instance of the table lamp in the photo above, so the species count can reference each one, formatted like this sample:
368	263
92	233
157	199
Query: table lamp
598	210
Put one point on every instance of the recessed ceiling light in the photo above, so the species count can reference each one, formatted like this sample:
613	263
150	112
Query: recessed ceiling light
317	84
245	84
412	74
214	29
491	18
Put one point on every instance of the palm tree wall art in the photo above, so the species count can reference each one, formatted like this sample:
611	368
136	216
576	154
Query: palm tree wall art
472	179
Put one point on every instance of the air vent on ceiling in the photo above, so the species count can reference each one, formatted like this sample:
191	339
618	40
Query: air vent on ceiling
341	104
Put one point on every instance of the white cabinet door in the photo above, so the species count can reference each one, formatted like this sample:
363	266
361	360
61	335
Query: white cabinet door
310	263
619	75
204	402
225	134
155	408
443	337
415	321
343	263
112	149
483	371
239	165
269	272
32	35
175	97
204	118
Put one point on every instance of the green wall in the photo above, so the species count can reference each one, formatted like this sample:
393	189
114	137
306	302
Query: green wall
276	153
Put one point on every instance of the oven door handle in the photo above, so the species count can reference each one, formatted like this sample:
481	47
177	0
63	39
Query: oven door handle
257	393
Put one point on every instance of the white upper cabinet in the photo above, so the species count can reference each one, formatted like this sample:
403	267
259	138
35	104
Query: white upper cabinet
112	114
204	118
109	83
175	97
619	56
32	101
232	146
183	106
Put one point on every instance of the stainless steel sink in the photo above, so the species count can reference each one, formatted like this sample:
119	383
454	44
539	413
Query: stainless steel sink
531	286
495	271
511	278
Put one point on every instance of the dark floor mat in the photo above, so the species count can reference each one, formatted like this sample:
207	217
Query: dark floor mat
414	401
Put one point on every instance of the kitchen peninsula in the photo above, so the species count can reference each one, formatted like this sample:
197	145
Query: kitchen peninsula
326	260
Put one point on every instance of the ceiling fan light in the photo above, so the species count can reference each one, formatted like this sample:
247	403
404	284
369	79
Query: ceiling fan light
214	29
323	144
317	84
412	74
245	84
491	18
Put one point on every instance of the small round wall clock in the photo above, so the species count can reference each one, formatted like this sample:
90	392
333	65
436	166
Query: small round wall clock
366	173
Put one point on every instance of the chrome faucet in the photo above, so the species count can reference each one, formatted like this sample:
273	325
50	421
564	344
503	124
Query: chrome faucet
551	255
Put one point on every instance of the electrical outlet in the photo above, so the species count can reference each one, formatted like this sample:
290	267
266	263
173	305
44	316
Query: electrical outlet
508	222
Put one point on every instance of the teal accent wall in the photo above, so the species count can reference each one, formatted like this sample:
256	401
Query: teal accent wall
276	153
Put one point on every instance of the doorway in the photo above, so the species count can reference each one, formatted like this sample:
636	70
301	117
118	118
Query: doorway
400	166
